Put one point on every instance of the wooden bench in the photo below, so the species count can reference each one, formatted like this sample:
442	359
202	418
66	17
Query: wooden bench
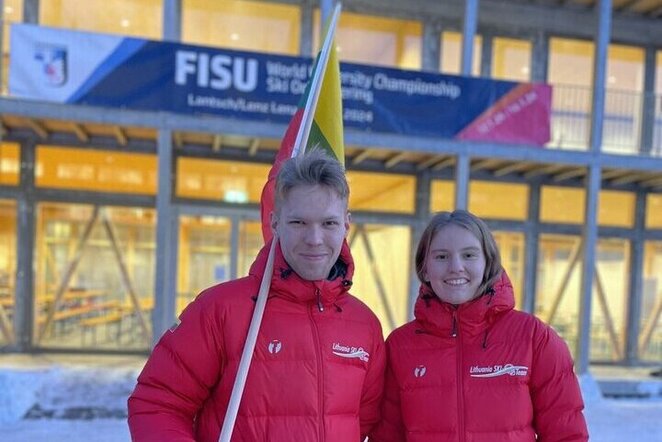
90	325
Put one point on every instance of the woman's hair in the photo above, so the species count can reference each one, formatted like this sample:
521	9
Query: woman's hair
478	228
311	169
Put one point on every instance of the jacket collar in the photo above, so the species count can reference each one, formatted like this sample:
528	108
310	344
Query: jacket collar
287	284
436	317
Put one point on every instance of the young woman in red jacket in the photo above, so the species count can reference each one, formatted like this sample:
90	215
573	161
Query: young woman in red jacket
469	367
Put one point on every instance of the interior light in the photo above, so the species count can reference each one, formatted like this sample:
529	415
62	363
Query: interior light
611	79
8	10
338	48
234	36
525	70
235	196
125	23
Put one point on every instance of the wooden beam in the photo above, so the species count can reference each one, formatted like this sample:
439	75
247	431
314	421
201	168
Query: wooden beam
254	146
38	128
120	136
177	137
483	164
217	142
514	167
609	174
446	162
80	132
545	170
653	182
360	157
395	159
572	173
429	162
631	178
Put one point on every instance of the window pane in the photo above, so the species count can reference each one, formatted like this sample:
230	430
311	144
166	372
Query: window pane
227	181
250	243
511	59
451	53
94	278
381	253
7	270
442	196
571	72
625	79
616	208
204	255
562	205
511	247
650	336
375	40
654	211
244	25
489	199
609	303
9	164
558	287
102	171
139	18
381	192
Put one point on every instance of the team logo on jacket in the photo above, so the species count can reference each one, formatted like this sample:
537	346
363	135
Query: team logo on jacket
345	351
420	371
492	371
275	346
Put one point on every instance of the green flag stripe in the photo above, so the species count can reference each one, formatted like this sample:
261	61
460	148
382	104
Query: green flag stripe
317	139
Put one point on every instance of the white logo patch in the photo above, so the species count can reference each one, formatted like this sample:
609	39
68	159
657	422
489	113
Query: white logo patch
420	371
498	370
275	346
345	351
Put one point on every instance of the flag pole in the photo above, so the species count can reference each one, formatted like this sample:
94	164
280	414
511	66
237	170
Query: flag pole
260	304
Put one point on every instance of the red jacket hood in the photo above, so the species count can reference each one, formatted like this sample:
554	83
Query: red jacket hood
286	283
436	316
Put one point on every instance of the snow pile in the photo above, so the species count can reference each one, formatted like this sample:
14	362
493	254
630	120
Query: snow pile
19	392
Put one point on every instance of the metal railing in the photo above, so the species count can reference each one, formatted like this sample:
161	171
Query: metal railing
623	121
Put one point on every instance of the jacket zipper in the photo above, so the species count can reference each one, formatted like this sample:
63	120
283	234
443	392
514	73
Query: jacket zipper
320	371
458	369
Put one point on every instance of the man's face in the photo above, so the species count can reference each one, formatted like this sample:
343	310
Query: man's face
311	225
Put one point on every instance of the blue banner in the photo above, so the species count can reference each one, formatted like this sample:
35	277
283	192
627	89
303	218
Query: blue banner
102	70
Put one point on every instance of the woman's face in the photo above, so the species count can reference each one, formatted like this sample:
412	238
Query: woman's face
455	264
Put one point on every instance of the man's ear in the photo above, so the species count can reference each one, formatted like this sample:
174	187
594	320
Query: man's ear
348	220
274	221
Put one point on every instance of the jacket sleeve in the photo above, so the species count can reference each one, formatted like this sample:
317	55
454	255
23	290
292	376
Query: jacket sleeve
555	394
176	380
373	386
390	428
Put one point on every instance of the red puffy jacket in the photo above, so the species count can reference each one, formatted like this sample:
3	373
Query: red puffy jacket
481	372
316	375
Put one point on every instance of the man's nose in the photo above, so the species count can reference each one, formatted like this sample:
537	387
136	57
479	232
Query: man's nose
314	234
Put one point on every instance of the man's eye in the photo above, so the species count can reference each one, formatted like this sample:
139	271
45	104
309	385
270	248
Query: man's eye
331	223
296	222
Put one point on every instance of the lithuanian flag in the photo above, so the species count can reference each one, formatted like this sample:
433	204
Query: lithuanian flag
326	130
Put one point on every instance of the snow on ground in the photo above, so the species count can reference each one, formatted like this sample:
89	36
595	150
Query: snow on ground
70	402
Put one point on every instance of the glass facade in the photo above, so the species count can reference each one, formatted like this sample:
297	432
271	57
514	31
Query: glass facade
9	164
451	53
375	40
650	326
94	276
242	25
511	59
138	18
7	270
13	13
381	279
94	264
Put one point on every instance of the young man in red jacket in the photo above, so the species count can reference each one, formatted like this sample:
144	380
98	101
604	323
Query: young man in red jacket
317	370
